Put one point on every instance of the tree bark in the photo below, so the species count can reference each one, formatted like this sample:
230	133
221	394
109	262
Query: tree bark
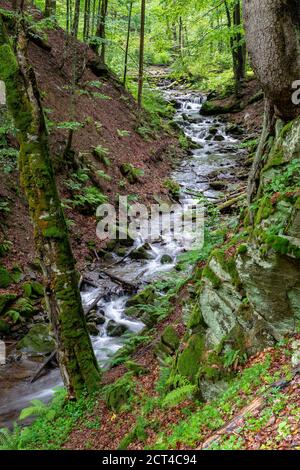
273	41
101	33
76	18
141	57
50	8
78	365
127	43
237	49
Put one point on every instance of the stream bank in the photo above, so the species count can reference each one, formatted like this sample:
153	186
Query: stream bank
211	169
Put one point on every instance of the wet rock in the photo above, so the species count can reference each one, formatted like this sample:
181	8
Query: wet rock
213	130
37	341
92	328
115	329
234	130
219	138
93	317
142	253
166	259
218	185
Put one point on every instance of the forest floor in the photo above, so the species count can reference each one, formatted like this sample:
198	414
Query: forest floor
147	422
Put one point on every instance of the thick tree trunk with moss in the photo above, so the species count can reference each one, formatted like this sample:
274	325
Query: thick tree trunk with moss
273	40
77	362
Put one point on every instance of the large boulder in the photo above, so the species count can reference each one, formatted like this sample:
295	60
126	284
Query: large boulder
37	341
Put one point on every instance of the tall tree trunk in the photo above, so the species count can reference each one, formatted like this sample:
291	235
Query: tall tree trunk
141	57
101	28
76	18
76	358
50	8
273	41
127	43
237	49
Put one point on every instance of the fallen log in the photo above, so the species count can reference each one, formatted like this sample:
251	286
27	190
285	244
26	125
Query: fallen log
93	304
128	286
45	364
231	202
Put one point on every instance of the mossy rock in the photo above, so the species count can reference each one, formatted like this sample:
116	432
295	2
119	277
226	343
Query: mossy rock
33	289
5	279
141	253
170	338
189	360
119	393
144	297
21	307
4	327
166	259
210	109
135	368
5	300
115	329
92	328
37	341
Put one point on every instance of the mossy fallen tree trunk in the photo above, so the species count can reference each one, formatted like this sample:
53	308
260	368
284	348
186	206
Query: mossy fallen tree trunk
77	362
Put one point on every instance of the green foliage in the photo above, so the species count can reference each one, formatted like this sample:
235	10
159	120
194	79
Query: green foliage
5	246
89	199
38	408
131	173
70	125
53	424
4	206
178	395
173	187
103	175
123	133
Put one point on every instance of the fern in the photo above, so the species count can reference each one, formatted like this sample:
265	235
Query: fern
103	175
178	395
38	408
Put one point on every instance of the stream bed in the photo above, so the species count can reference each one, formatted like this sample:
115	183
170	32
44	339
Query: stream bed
216	156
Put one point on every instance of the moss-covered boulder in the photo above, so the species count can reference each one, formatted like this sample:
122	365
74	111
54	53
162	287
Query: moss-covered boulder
211	108
4	327
5	279
119	393
5	301
37	341
115	329
33	289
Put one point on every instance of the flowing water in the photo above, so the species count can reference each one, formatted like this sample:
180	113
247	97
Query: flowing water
216	155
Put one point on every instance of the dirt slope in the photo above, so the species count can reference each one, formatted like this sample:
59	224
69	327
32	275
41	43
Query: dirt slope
105	112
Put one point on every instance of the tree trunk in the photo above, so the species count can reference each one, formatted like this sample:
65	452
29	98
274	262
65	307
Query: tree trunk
101	28
273	41
237	49
77	362
127	43
50	8
76	18
141	58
